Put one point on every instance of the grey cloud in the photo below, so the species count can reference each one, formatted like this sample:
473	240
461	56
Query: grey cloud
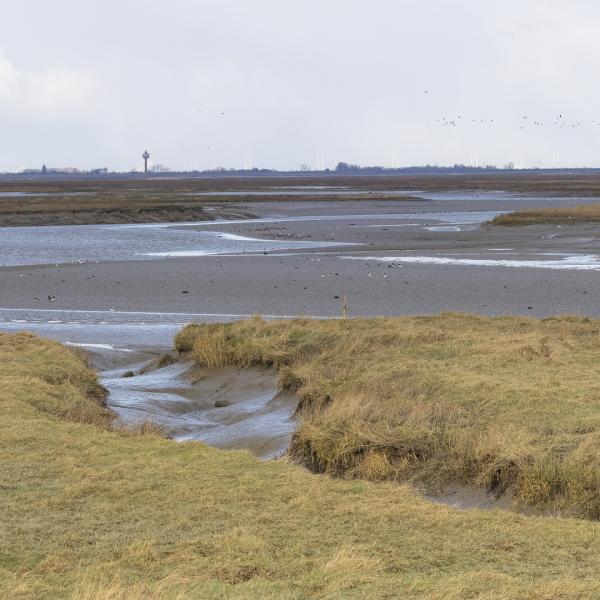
295	79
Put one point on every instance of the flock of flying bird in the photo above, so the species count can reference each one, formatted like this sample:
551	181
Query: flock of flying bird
525	122
559	121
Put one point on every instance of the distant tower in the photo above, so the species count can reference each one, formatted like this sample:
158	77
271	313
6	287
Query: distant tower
44	169
145	156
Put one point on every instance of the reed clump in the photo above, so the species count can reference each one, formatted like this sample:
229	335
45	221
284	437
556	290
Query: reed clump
498	403
563	215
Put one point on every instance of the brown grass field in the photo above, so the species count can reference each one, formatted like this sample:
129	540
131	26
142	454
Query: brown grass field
507	404
90	512
557	184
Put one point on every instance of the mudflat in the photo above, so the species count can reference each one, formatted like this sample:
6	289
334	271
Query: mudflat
302	257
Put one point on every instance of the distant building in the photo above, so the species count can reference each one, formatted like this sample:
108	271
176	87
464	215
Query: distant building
159	169
44	169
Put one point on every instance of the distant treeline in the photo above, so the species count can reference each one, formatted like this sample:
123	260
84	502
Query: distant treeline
342	168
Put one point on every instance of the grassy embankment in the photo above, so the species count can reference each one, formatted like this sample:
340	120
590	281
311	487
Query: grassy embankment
564	215
508	404
107	208
91	513
139	207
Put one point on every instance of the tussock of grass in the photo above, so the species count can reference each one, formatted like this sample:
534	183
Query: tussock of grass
58	381
496	403
88	513
564	215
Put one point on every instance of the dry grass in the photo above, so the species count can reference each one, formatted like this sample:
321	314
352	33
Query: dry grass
564	215
141	201
88	513
495	403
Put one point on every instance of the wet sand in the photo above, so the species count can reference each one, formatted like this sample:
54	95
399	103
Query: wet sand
126	301
373	265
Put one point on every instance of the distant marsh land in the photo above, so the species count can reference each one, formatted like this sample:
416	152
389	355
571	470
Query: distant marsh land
170	198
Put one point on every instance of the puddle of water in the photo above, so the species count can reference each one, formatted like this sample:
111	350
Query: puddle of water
445	228
580	262
467	498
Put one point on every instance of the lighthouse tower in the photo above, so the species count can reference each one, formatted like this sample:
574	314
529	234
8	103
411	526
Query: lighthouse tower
145	156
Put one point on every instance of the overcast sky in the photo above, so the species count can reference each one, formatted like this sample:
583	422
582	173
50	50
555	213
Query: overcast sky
93	84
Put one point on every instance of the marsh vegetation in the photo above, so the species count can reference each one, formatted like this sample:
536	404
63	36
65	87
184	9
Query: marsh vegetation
173	198
564	215
506	404
88	511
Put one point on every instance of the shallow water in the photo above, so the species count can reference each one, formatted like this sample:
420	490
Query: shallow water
21	246
257	417
550	260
